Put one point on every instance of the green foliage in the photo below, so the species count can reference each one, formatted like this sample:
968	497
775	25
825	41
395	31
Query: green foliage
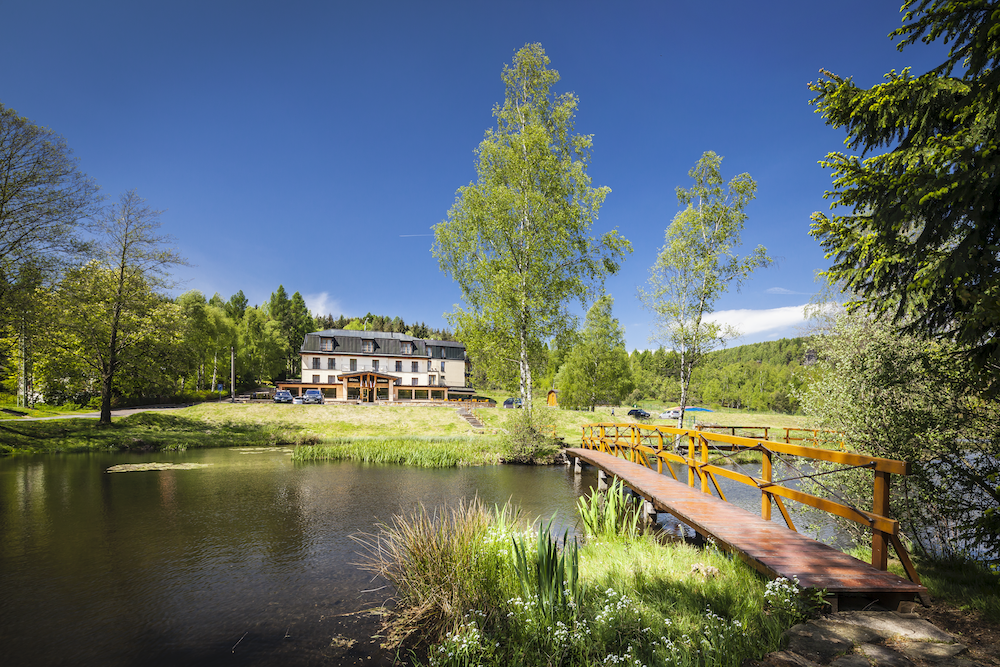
611	515
759	376
905	397
441	565
597	369
554	581
964	583
461	601
787	599
145	431
523	441
918	228
517	241
43	196
423	452
699	262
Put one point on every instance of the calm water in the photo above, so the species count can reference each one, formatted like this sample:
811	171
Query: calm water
248	561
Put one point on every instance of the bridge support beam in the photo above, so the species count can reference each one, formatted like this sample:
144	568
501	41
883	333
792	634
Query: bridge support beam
602	480
649	510
577	465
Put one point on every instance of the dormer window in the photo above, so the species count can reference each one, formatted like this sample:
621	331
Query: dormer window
368	346
407	347
326	344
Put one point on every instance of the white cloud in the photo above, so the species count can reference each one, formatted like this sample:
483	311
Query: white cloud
322	304
782	290
750	322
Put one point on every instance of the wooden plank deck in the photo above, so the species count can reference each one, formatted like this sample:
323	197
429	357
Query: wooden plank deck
769	547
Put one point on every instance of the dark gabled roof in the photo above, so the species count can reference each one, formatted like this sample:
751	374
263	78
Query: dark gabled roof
445	343
386	342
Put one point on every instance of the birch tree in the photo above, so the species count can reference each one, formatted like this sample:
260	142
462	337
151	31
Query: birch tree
115	296
698	263
518	240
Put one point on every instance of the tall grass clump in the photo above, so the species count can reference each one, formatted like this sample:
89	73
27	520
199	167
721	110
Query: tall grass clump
610	516
554	581
418	451
472	589
442	564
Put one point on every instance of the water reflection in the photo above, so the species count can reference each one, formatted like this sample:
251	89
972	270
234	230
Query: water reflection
247	561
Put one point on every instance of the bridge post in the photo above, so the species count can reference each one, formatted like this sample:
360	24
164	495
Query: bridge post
880	506
765	497
649	510
577	465
602	480
691	464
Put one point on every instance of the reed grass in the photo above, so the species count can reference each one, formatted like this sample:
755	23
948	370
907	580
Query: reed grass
417	451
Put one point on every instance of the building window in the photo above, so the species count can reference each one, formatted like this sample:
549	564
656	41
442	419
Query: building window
354	365
399	366
368	346
405	394
335	392
375	365
413	381
407	347
430	366
326	344
316	363
331	364
330	379
431	379
442	367
315	379
414	366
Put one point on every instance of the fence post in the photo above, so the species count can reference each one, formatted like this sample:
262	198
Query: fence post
765	497
690	460
880	506
704	461
659	459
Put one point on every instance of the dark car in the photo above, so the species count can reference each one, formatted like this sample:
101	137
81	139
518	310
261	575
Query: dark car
512	403
638	413
313	396
283	396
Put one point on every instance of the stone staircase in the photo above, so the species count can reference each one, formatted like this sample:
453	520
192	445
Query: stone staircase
471	418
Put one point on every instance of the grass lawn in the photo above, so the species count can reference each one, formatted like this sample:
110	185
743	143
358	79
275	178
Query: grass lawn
239	424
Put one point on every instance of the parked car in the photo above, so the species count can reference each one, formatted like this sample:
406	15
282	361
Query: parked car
638	413
283	396
313	396
512	403
671	414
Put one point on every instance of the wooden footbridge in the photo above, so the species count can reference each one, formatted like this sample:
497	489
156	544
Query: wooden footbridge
637	455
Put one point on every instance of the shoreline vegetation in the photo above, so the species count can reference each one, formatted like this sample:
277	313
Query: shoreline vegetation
339	431
474	585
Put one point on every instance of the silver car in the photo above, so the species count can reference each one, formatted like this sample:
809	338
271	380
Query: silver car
313	396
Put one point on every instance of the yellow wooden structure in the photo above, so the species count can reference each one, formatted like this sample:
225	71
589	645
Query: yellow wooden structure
654	447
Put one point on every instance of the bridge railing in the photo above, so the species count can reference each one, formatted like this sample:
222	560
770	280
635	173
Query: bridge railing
648	445
779	433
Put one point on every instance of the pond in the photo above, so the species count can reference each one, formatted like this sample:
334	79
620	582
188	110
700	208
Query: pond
242	558
246	561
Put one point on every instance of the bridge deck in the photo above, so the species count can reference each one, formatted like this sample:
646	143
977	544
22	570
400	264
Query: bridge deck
769	547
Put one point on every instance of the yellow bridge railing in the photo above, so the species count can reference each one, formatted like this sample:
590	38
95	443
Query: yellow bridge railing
649	445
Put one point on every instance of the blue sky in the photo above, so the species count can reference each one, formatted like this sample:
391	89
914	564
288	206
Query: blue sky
314	144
